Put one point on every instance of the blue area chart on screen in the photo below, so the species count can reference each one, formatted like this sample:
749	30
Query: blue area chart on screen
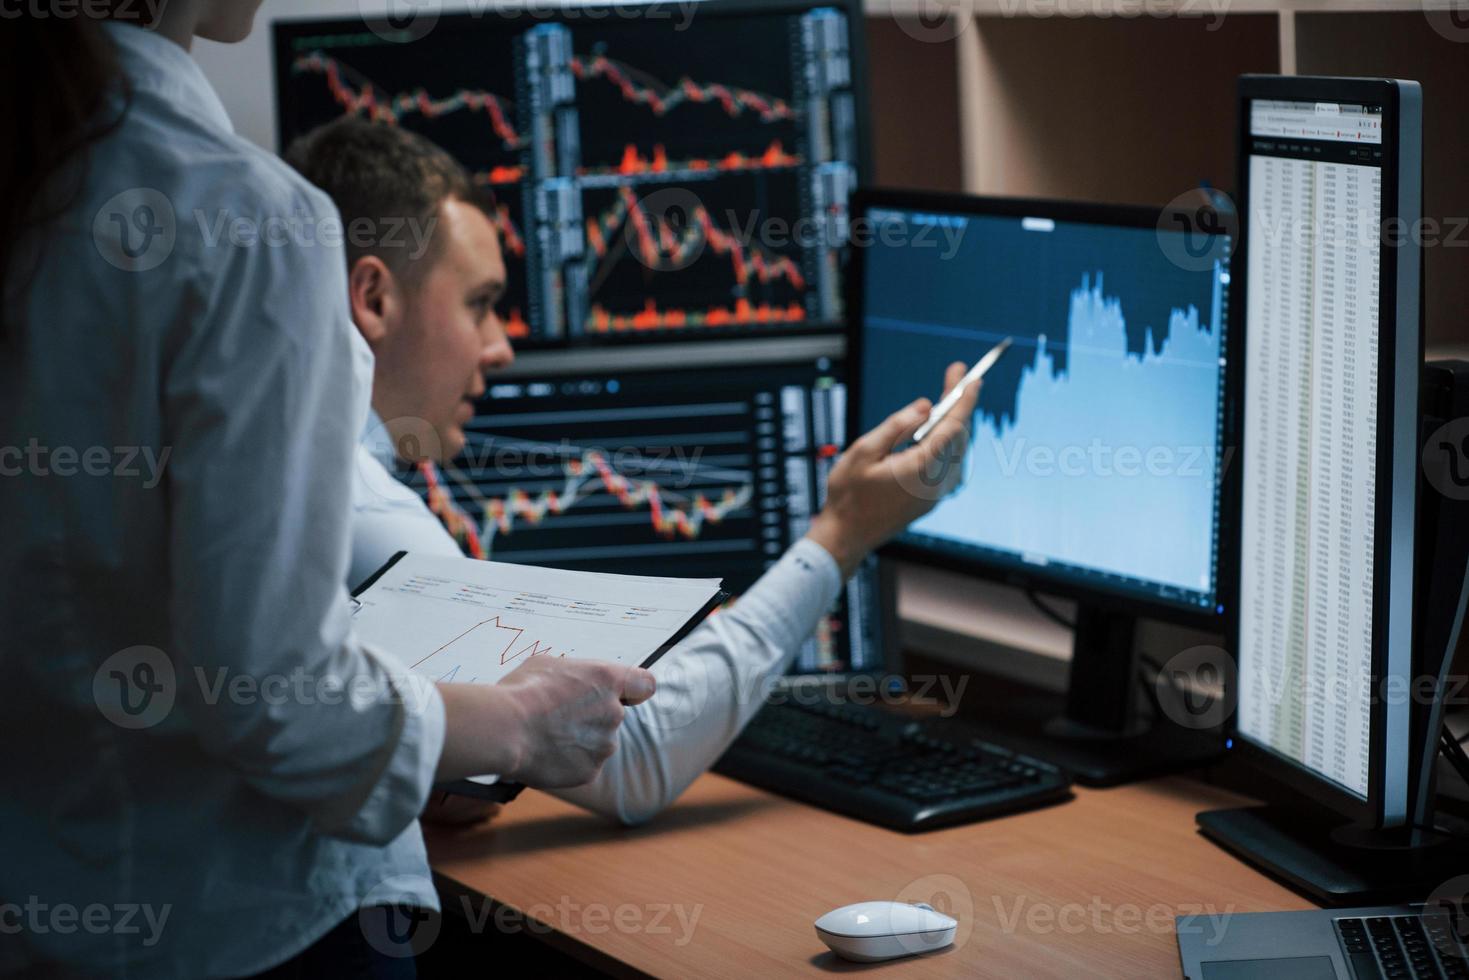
1096	440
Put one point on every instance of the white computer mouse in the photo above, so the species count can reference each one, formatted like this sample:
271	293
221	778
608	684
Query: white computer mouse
871	931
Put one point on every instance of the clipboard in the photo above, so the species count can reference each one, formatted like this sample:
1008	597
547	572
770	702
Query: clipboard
501	791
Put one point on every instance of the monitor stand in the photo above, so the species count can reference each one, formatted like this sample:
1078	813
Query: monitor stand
1098	732
1335	863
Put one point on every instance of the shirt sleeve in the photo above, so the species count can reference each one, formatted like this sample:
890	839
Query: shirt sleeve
388	517
710	686
262	406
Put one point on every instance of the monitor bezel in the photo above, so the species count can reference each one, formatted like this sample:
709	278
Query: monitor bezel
1400	355
284	29
1078	212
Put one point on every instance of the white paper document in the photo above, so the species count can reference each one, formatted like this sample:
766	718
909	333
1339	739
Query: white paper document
462	620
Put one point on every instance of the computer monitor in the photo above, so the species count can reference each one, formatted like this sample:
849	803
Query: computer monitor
669	470
1096	465
1323	623
656	170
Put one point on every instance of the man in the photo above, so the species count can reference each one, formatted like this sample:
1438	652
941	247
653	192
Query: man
430	320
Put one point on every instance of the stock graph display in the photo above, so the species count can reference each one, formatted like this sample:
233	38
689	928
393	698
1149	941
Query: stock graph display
1096	442
699	473
635	161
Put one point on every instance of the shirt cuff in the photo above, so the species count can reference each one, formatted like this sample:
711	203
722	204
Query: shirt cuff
797	590
819	562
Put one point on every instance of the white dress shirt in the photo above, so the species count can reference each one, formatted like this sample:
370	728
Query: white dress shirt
211	804
709	685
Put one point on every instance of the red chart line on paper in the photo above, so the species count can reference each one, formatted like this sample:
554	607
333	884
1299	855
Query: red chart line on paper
509	653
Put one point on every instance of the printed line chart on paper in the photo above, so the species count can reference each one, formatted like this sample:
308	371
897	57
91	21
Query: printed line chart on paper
466	621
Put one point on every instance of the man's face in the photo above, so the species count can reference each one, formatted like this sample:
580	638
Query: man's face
431	363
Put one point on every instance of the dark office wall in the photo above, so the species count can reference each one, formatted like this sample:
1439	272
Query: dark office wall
915	108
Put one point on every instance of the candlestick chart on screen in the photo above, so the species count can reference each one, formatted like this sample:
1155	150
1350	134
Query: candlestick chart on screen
647	178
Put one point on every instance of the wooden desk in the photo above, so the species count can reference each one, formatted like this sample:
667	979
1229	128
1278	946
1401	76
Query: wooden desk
1086	888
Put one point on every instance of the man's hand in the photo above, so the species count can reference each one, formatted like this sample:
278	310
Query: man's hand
874	492
552	722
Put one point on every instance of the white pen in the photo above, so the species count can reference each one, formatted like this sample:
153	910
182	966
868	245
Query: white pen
952	398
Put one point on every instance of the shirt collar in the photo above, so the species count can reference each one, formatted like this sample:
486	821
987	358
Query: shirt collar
377	441
155	64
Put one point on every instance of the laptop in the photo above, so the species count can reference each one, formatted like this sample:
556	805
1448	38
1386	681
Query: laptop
1391	941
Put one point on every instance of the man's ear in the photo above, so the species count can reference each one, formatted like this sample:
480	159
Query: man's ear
373	296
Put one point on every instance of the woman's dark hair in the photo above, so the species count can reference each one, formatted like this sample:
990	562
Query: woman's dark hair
58	76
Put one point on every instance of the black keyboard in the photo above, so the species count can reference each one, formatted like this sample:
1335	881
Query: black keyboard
1403	947
868	763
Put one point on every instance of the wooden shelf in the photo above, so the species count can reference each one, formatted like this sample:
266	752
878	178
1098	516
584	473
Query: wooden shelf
1134	102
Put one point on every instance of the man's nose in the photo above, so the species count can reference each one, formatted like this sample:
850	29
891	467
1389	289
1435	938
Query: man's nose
497	353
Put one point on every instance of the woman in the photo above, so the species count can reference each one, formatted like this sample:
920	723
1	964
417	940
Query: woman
206	773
